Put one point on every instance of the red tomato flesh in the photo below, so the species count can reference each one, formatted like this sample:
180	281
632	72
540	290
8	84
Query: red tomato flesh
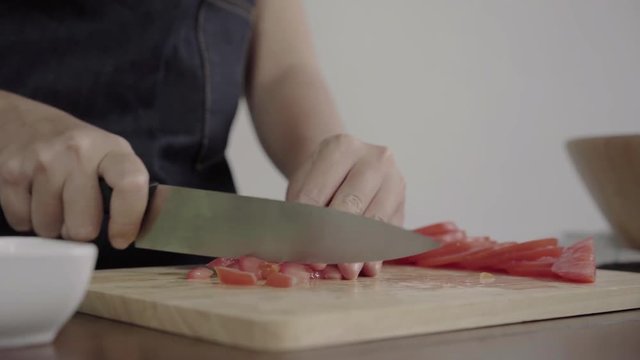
437	228
577	262
536	268
223	262
445	250
531	255
281	280
230	276
251	264
454	257
268	268
498	254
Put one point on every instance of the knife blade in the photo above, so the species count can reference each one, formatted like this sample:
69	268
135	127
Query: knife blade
218	224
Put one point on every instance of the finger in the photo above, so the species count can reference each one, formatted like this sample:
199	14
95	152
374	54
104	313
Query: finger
398	217
82	207
46	200
318	266
350	271
331	272
328	170
387	200
15	198
126	175
295	185
16	205
371	268
359	188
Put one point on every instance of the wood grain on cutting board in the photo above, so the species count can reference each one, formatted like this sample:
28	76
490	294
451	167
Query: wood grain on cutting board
401	301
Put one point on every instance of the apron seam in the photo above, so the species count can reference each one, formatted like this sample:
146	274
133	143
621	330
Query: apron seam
206	74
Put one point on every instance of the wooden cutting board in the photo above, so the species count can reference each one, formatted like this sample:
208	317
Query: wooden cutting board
401	301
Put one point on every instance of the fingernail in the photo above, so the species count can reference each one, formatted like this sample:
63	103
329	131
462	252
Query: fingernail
350	271
119	243
318	266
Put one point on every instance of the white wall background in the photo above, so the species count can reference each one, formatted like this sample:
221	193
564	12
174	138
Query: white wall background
477	99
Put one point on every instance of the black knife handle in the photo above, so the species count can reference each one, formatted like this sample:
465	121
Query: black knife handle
106	191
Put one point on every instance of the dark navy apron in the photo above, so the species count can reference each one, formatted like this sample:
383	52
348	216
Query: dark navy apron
164	74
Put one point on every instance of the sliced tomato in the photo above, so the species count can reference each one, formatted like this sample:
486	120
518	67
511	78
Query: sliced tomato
231	276
553	252
199	273
453	257
251	264
442	232
223	262
437	228
577	262
281	280
505	253
480	240
446	249
536	268
409	260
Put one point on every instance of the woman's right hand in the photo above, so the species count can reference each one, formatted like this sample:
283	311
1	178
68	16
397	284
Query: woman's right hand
50	164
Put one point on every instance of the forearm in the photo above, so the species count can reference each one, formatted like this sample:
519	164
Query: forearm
292	114
289	101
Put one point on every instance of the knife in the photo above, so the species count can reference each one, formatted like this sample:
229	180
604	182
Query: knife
219	224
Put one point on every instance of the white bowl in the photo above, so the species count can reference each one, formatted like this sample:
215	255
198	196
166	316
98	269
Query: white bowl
42	282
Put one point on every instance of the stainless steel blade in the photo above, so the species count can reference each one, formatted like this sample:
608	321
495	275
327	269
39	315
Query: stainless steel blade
219	224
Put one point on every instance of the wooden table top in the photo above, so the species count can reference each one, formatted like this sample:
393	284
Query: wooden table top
605	336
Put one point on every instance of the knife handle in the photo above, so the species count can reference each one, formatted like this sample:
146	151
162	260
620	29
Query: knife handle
106	191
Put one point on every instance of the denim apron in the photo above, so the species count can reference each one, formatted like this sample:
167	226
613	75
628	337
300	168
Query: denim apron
164	74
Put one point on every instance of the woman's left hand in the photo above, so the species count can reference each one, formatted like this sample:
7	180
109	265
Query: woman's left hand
349	175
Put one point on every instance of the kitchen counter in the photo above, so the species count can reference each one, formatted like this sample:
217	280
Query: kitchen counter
604	336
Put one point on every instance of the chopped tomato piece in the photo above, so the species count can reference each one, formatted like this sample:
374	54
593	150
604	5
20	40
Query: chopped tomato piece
577	262
235	277
268	268
224	262
251	264
281	280
199	273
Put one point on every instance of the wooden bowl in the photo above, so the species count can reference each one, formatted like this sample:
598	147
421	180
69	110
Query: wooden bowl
610	169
